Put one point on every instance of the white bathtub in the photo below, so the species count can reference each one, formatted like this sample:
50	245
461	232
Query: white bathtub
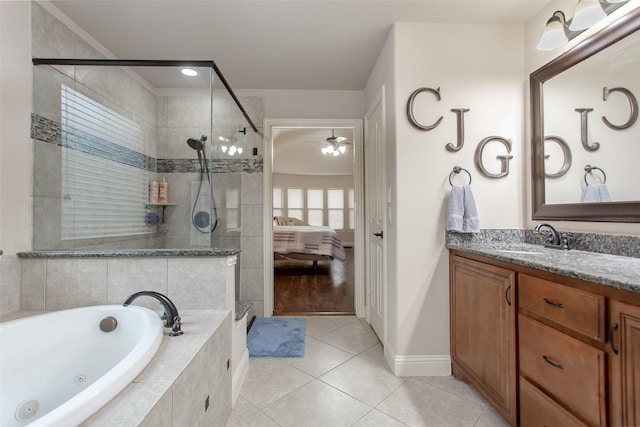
58	368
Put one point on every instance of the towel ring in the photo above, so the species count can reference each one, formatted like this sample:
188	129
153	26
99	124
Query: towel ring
588	169
456	170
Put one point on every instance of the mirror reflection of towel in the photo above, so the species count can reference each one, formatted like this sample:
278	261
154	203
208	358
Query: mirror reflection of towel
462	212
594	193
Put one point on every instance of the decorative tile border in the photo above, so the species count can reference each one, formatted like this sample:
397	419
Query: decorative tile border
45	130
51	132
215	166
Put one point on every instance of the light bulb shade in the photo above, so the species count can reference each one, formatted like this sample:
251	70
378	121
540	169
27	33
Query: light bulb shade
342	148
587	13
224	148
336	153
239	150
554	34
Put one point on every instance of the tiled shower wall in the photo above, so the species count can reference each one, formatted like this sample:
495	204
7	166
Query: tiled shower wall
168	122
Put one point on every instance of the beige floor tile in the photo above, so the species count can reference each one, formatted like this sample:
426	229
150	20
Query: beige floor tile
321	325
457	387
417	403
270	379
375	354
242	409
319	357
352	339
376	418
317	404
368	381
491	418
259	419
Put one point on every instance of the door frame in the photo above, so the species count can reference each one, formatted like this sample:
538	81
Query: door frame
358	185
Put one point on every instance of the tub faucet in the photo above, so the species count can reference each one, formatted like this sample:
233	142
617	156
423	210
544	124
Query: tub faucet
554	240
170	311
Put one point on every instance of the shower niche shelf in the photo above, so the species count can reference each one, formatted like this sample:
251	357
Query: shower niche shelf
163	206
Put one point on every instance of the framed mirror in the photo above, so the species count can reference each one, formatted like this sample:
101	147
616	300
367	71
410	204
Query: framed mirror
584	115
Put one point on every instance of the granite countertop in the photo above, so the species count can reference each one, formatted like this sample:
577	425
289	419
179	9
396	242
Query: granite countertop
116	253
617	271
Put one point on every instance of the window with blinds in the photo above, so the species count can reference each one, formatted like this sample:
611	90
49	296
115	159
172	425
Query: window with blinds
105	176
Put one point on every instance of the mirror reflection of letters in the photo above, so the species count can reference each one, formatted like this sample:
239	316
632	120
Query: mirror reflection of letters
592	107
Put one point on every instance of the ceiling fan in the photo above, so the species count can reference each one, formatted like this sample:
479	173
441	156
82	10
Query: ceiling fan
335	145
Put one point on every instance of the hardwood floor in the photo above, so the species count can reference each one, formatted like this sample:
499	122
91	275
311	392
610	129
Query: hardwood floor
299	290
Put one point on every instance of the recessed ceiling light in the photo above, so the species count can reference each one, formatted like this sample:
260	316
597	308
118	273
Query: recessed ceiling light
189	72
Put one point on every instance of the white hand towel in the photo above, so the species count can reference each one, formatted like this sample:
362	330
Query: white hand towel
604	193
470	219
455	209
591	193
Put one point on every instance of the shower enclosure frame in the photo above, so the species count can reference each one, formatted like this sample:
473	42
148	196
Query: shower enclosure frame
132	63
150	63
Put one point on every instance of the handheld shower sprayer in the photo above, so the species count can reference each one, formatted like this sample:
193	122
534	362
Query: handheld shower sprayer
201	220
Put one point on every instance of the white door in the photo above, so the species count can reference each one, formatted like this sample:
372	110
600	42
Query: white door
375	214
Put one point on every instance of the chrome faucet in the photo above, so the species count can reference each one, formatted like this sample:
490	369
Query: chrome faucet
554	240
170	311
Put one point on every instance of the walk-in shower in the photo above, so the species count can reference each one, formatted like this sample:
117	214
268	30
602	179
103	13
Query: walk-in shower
105	131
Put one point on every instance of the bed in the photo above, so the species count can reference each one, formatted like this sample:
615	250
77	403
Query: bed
299	241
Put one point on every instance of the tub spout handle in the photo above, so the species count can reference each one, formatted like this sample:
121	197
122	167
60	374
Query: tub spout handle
176	329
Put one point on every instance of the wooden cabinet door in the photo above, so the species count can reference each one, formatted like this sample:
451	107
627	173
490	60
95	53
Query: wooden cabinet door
483	340
624	357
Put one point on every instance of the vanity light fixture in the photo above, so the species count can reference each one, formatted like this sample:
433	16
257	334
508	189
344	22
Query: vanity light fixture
190	72
558	31
586	14
554	34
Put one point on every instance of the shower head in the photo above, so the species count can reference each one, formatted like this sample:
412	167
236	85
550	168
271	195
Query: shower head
196	144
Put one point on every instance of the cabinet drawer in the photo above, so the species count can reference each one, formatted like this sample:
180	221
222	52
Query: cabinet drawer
539	410
578	310
565	368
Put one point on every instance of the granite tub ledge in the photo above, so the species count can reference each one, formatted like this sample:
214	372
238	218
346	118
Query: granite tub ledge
620	272
131	253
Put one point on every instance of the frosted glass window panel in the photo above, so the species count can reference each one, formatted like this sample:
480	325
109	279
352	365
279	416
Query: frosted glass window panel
335	198
351	204
315	198
315	217
278	202
295	198
278	212
103	197
336	219
295	213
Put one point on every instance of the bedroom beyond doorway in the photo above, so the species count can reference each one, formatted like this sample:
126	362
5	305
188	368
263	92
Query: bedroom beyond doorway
301	290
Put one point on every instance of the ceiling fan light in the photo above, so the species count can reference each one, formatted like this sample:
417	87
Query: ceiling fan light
239	150
342	148
224	148
336	153
587	13
554	34
232	150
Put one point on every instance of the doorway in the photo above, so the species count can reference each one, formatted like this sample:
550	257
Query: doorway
305	193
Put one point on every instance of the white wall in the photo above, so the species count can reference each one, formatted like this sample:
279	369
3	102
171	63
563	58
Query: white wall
309	104
480	67
15	110
535	59
15	147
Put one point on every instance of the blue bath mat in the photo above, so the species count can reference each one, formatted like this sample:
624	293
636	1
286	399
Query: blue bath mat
277	337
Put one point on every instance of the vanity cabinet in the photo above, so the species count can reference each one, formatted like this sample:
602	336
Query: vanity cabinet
483	335
624	357
542	348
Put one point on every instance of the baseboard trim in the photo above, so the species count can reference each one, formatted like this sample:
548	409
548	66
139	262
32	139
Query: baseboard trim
423	366
239	376
418	366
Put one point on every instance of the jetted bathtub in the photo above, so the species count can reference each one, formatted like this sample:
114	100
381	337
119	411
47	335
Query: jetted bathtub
58	368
